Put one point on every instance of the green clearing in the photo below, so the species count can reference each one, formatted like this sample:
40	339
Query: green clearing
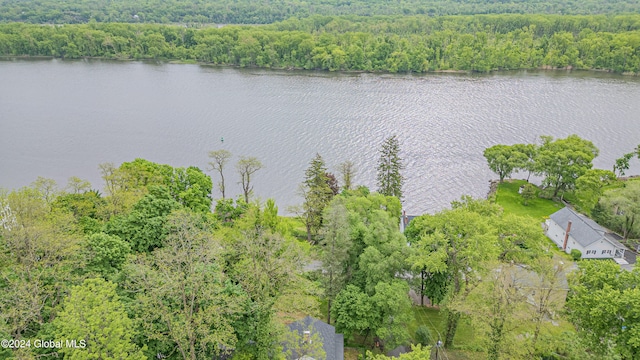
435	320
511	201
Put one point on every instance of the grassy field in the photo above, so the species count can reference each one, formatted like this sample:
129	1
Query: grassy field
435	320
511	201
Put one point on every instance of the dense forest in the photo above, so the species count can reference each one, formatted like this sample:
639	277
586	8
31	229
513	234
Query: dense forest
157	264
264	12
392	44
168	273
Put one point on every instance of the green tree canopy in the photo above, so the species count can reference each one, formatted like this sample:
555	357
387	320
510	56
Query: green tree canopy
40	259
603	303
182	295
353	312
106	253
143	227
563	161
94	314
188	186
504	160
620	208
317	194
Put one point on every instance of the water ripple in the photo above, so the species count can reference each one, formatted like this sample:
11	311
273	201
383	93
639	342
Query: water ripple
176	113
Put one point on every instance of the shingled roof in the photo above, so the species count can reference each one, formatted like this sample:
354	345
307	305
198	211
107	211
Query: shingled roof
584	230
332	343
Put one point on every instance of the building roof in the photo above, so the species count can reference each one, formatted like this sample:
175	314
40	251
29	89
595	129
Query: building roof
405	220
614	239
332	343
584	230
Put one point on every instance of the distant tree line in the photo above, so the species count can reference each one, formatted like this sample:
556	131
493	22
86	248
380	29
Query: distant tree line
411	44
264	12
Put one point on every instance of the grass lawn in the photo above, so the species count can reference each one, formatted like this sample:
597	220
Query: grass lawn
507	196
435	320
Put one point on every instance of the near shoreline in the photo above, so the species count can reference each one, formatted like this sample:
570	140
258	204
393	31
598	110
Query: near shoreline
568	69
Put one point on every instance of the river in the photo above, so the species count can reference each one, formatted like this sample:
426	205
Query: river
63	118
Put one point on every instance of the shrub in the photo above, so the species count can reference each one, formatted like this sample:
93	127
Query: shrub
576	254
529	192
423	335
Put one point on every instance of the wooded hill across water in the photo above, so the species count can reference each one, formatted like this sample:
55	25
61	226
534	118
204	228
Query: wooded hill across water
389	44
269	11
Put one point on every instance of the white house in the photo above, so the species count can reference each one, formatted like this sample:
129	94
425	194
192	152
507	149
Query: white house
405	220
571	230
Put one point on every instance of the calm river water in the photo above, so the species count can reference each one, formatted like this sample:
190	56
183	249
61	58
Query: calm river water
63	118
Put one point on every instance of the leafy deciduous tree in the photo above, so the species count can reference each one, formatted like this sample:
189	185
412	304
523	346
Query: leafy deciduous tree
603	303
77	185
622	208
106	253
589	186
622	164
144	227
95	318
563	161
265	265
504	159
246	167
181	292
353	312
457	242
39	262
219	160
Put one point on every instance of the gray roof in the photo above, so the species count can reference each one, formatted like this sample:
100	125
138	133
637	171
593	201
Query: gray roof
332	343
614	239
584	230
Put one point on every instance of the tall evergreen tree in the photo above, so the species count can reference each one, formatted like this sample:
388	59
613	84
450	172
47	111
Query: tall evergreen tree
390	165
317	195
347	170
336	243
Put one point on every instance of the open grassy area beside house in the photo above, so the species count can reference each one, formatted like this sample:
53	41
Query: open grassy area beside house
511	201
435	320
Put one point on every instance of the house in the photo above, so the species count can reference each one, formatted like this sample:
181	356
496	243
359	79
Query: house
405	220
571	230
332	343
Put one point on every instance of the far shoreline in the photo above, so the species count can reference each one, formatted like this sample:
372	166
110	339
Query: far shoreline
546	68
